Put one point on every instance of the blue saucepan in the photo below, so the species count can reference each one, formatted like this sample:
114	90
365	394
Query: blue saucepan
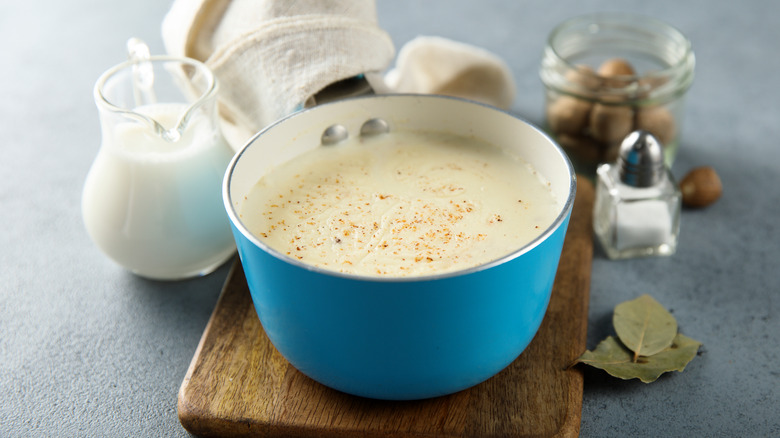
404	337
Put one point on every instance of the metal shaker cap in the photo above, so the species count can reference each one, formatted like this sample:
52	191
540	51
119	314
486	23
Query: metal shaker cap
641	160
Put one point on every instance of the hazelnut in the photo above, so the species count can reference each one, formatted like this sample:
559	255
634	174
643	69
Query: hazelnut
610	123
659	121
568	114
700	187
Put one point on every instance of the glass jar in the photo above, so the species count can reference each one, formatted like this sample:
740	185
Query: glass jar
607	75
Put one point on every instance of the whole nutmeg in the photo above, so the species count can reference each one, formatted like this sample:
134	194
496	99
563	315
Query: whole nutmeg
647	84
610	123
581	148
568	115
611	152
584	76
659	121
700	187
616	67
618	73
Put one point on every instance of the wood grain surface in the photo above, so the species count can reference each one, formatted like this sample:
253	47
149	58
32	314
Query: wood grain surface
239	385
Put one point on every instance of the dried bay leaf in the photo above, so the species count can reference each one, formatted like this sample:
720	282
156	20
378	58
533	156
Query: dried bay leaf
644	326
617	360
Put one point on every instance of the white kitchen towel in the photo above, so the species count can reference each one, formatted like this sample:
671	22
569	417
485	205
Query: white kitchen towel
272	56
436	65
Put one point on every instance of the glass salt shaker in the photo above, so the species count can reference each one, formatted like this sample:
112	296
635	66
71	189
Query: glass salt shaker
637	207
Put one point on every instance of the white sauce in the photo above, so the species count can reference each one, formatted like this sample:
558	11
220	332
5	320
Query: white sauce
400	204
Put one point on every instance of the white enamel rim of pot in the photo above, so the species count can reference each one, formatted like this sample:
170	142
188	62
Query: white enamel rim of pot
301	131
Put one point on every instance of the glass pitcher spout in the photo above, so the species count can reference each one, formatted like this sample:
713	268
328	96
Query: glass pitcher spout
123	92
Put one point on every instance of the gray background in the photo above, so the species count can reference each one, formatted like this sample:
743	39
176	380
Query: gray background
87	349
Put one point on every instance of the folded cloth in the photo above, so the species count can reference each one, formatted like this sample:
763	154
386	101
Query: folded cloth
271	56
436	65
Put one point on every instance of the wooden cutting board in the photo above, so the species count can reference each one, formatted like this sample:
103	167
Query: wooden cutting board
239	385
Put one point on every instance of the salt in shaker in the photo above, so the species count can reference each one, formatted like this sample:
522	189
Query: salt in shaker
637	207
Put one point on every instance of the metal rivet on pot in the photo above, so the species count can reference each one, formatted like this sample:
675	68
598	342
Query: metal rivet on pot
334	134
374	127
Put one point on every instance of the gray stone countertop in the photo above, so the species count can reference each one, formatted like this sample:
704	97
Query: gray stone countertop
87	349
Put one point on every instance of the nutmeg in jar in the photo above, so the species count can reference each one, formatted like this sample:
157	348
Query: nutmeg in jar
607	75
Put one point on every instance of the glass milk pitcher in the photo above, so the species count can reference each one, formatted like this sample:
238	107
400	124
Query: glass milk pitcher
152	200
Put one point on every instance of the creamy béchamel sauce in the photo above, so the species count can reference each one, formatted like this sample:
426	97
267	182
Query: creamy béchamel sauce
400	204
